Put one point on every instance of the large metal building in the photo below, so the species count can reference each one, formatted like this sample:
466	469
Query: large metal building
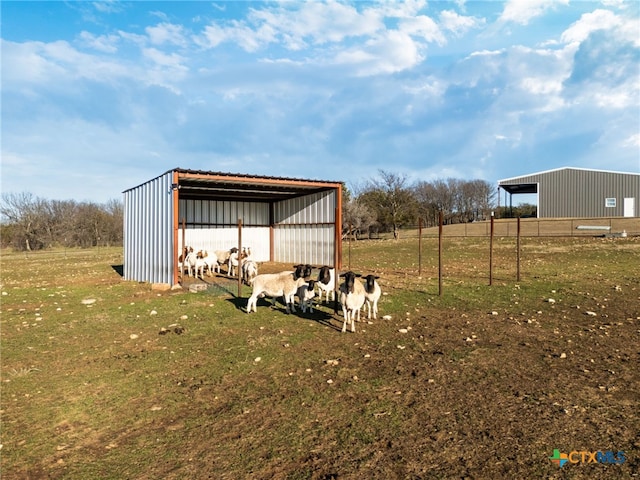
577	192
280	219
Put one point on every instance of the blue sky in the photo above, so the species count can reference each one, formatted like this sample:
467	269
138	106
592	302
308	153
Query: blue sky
98	97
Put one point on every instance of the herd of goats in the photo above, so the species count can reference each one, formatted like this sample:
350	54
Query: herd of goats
353	294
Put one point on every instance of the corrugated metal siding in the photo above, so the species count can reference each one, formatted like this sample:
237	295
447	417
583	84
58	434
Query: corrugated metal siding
304	229
148	231
581	193
222	213
224	238
213	225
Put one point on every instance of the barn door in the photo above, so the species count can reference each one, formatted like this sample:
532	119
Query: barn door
629	207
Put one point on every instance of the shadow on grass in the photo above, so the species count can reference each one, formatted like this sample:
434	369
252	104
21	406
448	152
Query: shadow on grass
320	316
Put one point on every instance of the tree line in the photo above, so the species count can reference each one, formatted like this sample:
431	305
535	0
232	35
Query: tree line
385	203
389	202
33	223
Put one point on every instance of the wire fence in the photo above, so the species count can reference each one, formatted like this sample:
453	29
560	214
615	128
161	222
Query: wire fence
513	229
529	227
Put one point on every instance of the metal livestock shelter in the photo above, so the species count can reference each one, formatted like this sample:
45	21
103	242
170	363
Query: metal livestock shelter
282	220
578	192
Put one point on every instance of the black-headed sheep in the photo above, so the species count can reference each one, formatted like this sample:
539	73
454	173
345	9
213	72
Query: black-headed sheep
352	295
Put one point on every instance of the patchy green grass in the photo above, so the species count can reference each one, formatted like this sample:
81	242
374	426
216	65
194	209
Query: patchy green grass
103	378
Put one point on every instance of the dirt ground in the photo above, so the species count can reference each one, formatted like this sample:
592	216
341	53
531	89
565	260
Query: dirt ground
483	383
488	394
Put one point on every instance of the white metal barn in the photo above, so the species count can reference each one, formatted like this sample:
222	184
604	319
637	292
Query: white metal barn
282	220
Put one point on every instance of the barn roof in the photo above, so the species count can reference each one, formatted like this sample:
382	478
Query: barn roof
529	183
195	184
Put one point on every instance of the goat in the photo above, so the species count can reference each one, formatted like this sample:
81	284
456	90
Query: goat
191	261
306	293
223	256
372	294
236	260
352	299
283	284
327	282
182	258
201	264
211	262
249	271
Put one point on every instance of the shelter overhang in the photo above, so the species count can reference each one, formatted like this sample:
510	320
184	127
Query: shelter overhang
520	188
195	184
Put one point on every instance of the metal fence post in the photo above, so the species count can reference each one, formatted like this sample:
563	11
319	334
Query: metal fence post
491	252
440	220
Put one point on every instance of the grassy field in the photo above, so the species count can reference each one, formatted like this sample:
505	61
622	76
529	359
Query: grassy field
108	379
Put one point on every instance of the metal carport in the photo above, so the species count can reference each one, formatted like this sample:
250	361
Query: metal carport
283	220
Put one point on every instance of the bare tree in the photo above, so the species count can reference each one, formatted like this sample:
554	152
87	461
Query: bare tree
32	223
392	199
357	218
24	212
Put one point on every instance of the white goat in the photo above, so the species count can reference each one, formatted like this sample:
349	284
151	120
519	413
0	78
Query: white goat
211	262
232	263
223	256
372	294
236	259
200	265
284	284
190	261
306	293
352	299
182	259
327	282
249	271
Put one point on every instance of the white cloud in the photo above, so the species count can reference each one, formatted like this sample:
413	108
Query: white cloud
318	23
458	24
431	88
488	53
102	43
27	65
522	11
626	29
621	4
308	23
54	66
164	33
632	141
541	85
107	6
391	52
422	27
248	39
613	99
172	60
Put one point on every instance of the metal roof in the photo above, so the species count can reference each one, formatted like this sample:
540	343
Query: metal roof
524	184
195	184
